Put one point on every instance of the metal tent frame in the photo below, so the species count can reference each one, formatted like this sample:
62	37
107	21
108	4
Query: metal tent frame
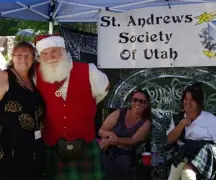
57	11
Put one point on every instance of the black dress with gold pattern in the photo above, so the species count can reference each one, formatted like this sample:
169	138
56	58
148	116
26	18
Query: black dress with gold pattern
22	155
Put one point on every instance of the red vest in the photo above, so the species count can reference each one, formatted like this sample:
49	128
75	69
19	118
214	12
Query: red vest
73	118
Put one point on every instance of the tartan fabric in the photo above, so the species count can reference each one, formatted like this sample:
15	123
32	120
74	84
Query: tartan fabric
202	156
88	167
205	161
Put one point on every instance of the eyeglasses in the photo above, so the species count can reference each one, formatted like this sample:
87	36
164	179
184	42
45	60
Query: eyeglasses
27	56
142	101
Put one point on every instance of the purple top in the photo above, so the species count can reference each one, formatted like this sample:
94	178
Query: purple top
121	130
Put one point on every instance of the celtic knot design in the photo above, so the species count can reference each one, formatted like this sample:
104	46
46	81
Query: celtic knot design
1	153
77	43
165	86
26	121
39	111
13	106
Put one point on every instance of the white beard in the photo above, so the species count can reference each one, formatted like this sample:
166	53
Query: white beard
58	72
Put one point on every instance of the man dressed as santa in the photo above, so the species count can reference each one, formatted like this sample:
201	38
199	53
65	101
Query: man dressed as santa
71	91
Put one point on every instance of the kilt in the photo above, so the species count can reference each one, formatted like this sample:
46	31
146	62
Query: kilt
201	155
88	167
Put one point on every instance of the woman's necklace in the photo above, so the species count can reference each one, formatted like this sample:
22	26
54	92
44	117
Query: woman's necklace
23	83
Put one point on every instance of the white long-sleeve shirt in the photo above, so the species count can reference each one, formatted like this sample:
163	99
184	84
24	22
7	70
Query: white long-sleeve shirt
98	80
203	128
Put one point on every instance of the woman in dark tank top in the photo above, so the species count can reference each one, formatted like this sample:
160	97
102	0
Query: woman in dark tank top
22	152
121	132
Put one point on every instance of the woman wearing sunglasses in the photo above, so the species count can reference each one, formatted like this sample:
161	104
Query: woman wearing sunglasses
121	132
194	130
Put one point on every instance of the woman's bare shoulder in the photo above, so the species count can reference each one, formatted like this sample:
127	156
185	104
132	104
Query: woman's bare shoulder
3	76
4	85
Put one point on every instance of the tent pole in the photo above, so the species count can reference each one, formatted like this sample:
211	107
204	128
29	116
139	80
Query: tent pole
133	4
51	21
50	27
77	14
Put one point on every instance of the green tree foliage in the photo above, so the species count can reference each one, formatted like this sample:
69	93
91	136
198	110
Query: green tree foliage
86	27
6	27
9	27
43	27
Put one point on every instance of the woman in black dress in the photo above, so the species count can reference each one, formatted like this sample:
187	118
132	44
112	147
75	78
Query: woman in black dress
22	152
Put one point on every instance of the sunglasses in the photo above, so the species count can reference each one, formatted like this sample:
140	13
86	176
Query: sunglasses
141	101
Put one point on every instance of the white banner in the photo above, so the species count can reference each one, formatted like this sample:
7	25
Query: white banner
184	35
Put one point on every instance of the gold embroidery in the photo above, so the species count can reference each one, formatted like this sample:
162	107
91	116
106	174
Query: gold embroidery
13	106
41	126
1	153
34	156
12	153
39	111
26	121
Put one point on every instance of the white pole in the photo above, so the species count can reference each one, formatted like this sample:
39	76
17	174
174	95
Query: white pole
50	27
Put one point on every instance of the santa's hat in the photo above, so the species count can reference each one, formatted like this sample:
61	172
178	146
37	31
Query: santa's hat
47	41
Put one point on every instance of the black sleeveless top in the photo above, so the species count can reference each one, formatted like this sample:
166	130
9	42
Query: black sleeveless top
21	114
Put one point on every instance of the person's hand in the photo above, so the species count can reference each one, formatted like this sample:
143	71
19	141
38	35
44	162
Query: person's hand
113	139
104	143
186	121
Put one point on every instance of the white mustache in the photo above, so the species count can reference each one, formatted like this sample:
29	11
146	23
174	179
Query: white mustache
51	61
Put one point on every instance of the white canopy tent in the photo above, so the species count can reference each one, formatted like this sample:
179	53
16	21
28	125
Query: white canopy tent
76	10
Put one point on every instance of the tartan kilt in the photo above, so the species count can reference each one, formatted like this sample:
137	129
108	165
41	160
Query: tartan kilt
204	160
88	167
